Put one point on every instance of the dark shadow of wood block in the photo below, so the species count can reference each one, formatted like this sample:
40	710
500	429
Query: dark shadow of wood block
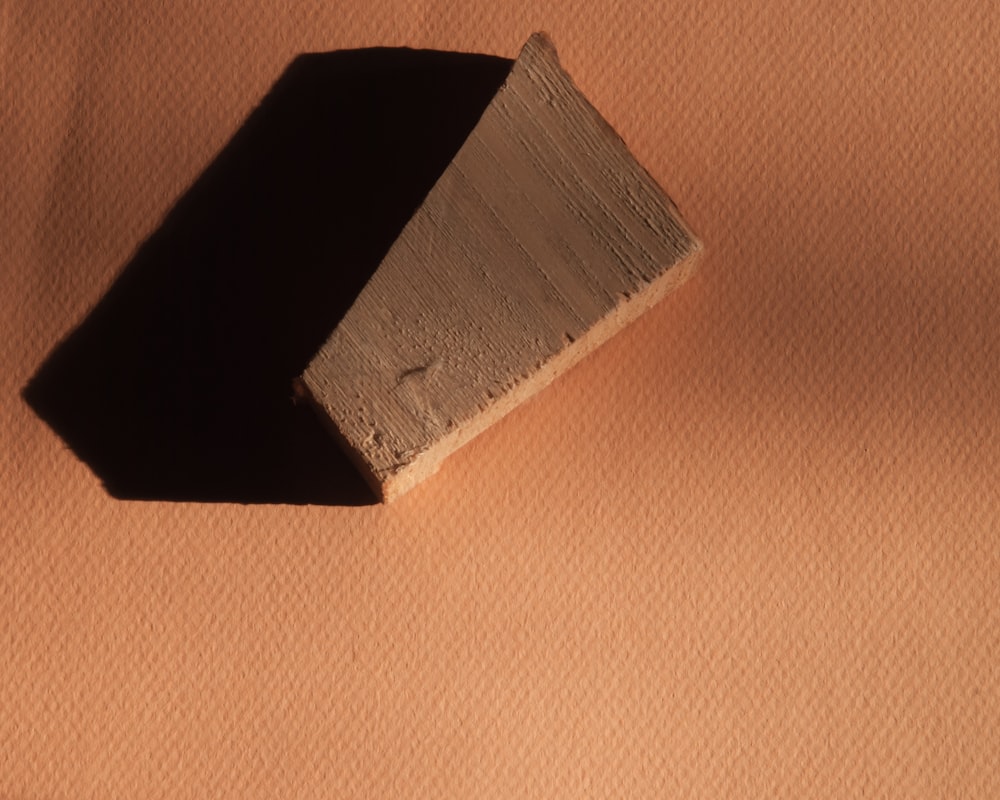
541	239
176	385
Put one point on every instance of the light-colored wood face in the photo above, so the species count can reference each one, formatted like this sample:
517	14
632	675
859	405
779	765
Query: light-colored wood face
541	239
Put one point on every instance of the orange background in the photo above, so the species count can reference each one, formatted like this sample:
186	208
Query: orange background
750	548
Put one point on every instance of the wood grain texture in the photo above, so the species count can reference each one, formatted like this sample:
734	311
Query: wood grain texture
542	239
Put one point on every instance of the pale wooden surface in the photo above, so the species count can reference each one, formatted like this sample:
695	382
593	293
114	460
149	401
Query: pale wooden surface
541	240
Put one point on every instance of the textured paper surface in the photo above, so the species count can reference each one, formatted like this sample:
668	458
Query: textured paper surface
748	549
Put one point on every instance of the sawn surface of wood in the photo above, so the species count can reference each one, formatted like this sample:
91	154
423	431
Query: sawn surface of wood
541	239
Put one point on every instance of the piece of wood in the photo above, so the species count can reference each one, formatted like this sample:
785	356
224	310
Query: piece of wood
541	239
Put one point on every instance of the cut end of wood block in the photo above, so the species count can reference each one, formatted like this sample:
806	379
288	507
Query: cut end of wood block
542	239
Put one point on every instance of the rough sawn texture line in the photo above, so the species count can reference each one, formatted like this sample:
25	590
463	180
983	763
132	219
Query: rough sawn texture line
541	239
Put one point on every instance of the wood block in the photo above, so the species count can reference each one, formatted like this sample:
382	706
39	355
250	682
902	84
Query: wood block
541	239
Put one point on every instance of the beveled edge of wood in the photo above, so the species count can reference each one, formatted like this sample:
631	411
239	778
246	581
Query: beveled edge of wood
393	485
628	311
301	393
